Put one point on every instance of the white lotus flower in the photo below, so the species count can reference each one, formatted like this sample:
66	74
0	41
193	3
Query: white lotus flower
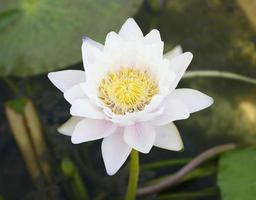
127	95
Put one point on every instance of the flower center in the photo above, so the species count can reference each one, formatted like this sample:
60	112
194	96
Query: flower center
127	90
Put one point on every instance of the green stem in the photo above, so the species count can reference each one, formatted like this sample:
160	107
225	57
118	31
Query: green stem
218	74
70	170
133	177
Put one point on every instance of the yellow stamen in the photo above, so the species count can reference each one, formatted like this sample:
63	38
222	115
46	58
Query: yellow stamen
127	90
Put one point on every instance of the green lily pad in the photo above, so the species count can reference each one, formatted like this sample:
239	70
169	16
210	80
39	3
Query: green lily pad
237	176
38	36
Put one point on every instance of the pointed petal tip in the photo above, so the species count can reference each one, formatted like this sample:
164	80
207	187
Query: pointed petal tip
84	38
189	55
53	77
176	51
50	75
211	101
145	151
180	147
130	30
61	131
177	148
74	140
179	48
130	20
111	172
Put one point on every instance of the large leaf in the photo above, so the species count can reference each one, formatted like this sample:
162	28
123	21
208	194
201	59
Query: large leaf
43	35
237	177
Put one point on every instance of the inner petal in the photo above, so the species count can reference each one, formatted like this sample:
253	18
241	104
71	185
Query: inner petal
127	90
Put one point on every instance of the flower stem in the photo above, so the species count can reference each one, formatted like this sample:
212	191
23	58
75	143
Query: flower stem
174	179
133	177
218	74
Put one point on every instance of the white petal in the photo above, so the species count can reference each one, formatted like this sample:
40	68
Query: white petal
174	110
152	37
84	108
167	77
168	137
74	93
68	127
193	99
114	151
154	103
153	46
112	40
66	79
152	52
91	51
130	30
174	52
179	65
113	50
140	136
92	129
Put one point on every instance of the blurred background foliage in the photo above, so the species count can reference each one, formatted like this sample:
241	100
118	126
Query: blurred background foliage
38	36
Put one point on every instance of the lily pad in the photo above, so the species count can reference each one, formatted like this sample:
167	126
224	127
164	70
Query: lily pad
236	177
38	36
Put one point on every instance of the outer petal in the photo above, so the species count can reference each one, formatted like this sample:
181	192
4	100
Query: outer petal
74	93
114	151
193	99
174	110
168	137
130	30
91	51
84	108
173	53
68	127
179	64
152	37
91	129
140	136
66	79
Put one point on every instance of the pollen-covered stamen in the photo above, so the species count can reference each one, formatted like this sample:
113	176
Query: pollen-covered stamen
127	90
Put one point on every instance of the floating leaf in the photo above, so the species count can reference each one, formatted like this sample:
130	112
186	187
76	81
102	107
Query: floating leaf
236	177
47	34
